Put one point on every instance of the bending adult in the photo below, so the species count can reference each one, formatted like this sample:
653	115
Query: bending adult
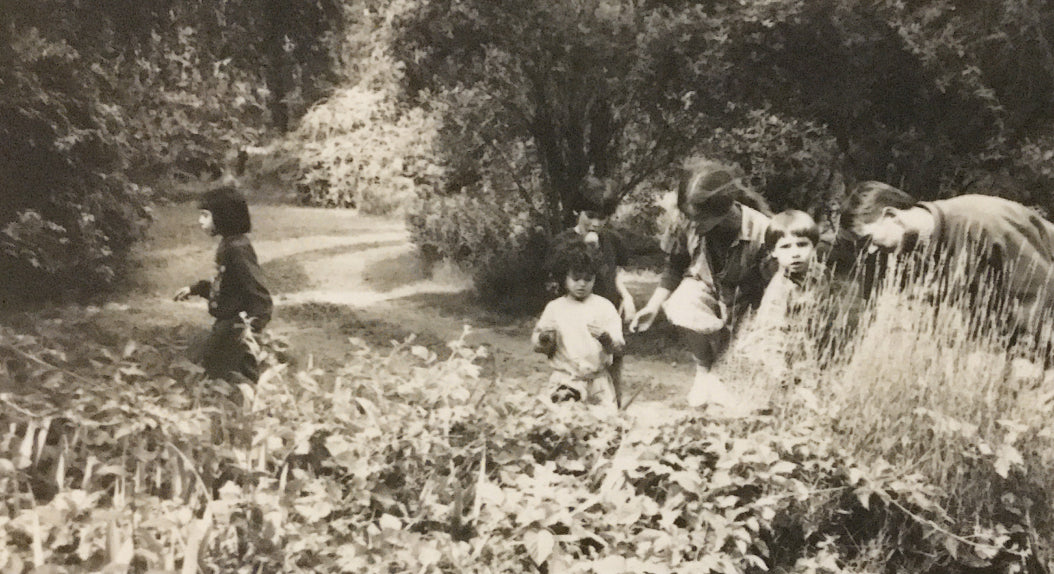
716	268
996	251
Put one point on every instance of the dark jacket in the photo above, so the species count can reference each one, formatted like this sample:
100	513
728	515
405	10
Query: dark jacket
739	276
238	285
989	239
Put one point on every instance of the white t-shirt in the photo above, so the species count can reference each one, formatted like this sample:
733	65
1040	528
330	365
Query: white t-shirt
578	352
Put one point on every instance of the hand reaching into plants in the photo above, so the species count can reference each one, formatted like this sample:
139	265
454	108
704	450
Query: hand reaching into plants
183	294
643	319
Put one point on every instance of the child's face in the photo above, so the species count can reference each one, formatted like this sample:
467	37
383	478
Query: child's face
793	253
579	285
590	221
206	223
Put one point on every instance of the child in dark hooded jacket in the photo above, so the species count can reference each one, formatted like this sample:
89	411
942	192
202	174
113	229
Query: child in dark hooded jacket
237	296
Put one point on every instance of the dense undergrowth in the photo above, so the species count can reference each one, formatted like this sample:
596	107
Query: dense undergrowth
116	456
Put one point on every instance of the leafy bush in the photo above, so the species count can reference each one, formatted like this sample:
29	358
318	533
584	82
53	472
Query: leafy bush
505	255
119	456
187	111
67	215
357	149
792	163
362	147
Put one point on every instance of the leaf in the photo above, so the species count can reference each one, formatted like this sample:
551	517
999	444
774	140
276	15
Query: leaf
25	449
855	475
863	494
428	556
421	352
489	493
1006	457
389	522
783	467
952	546
611	565
539	545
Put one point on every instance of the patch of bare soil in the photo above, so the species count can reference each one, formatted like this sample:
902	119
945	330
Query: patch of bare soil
367	283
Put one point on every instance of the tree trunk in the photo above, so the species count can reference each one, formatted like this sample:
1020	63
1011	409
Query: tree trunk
277	14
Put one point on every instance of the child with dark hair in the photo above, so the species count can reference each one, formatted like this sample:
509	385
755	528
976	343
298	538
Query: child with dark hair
580	332
237	296
591	226
598	205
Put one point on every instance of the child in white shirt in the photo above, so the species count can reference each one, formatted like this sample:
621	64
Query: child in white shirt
580	332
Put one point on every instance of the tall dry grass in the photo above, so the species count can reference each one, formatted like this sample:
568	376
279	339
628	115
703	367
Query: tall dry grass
933	380
922	374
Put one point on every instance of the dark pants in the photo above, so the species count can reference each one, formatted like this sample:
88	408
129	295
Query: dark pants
707	347
225	353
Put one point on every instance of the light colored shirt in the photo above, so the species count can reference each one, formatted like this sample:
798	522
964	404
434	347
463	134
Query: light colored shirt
578	352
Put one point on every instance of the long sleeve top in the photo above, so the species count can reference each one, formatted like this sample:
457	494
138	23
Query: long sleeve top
238	285
739	276
1001	242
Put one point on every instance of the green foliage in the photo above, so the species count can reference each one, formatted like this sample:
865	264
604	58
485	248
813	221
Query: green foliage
577	85
792	163
505	254
67	215
937	98
97	97
119	456
361	147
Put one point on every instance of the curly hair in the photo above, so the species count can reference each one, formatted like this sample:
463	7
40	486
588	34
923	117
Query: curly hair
574	256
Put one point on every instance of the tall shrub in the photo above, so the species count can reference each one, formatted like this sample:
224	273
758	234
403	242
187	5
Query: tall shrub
67	215
363	146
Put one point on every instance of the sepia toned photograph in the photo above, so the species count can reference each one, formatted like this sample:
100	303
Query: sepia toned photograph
527	286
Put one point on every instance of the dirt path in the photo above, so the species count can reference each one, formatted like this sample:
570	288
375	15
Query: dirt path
336	275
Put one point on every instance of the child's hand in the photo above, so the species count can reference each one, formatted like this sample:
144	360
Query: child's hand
604	339
546	343
182	295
